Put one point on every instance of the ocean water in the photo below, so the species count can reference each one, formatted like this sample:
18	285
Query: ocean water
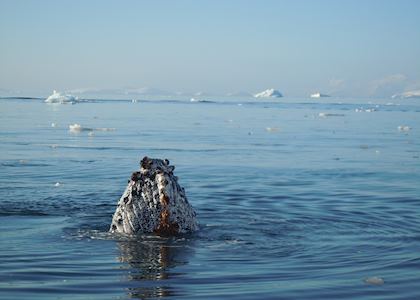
295	199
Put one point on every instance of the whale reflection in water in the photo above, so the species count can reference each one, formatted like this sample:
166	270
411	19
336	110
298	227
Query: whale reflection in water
151	264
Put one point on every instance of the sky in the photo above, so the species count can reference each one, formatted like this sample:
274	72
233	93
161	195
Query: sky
358	48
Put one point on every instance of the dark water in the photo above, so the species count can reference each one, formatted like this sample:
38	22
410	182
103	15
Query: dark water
310	208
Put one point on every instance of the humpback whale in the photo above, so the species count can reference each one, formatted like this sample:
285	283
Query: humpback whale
154	202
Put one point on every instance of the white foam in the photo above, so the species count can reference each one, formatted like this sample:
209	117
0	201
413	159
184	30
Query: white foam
57	97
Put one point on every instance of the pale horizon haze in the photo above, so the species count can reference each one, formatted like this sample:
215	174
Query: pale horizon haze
344	48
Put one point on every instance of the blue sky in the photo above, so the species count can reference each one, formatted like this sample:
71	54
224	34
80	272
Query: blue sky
347	48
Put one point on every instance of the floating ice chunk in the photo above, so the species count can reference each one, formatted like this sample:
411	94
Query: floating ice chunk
374	280
91	133
361	109
319	95
57	97
270	93
404	128
57	184
76	128
325	115
193	100
103	129
272	129
53	124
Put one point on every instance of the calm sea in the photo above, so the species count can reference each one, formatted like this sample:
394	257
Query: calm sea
295	199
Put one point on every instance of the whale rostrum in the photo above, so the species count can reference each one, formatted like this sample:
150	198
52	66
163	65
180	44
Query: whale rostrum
154	202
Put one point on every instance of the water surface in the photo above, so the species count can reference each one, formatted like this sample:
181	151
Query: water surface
295	199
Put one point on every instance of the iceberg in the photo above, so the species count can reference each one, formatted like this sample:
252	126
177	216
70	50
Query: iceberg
319	95
270	93
409	94
57	97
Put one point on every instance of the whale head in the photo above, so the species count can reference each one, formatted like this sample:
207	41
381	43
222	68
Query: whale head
154	202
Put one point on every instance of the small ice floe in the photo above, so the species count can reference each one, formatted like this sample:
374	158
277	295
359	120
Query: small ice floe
58	98
133	100
368	110
193	100
91	133
271	129
325	115
76	128
319	95
53	125
57	184
404	128
374	280
104	129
